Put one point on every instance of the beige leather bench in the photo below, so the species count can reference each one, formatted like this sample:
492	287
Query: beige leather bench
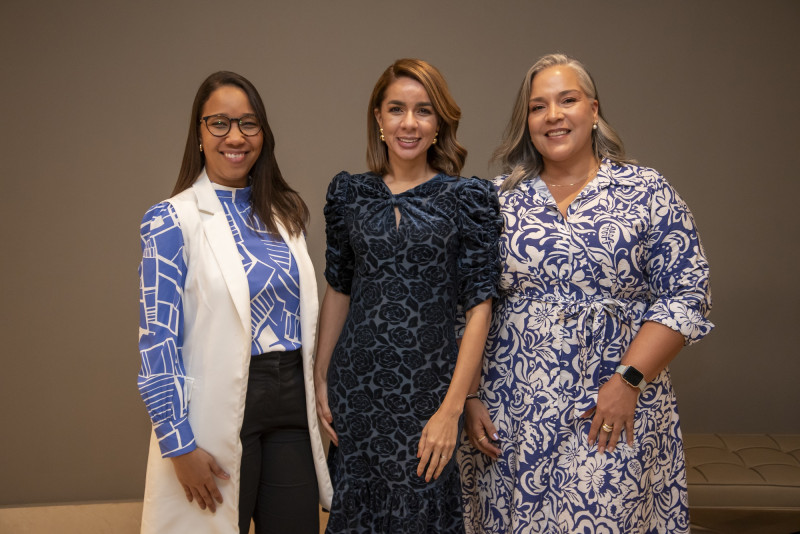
743	483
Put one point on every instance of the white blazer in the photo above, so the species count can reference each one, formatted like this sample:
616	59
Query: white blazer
216	354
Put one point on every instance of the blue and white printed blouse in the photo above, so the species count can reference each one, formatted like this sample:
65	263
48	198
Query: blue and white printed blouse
274	281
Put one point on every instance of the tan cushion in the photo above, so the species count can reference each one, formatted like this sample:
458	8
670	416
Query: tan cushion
743	470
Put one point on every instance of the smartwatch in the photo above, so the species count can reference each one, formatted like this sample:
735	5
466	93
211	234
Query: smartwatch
632	376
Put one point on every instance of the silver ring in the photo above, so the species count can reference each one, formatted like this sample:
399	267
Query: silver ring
444	457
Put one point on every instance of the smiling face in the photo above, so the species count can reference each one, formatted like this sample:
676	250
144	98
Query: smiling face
229	158
560	116
408	120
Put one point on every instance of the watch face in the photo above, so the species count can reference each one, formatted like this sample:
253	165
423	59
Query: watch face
632	376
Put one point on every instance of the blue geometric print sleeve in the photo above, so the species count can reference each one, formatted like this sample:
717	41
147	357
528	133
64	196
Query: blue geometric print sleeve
162	380
676	269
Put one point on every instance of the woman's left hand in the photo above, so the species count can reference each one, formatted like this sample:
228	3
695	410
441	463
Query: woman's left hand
437	444
480	429
616	404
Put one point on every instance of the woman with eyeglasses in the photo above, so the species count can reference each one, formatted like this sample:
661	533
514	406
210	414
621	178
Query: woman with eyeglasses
228	312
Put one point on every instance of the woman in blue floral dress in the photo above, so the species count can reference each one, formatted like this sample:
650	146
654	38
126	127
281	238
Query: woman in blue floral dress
407	243
604	280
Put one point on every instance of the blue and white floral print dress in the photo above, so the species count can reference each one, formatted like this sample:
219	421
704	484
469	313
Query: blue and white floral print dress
395	357
574	292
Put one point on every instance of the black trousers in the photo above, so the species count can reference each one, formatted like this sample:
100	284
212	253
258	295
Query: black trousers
278	482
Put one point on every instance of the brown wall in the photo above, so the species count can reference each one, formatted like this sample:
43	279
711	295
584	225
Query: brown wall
95	105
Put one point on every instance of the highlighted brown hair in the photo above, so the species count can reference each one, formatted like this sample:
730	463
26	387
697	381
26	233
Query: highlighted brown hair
447	155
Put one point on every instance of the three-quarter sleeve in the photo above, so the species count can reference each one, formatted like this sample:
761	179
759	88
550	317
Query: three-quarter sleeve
480	225
162	379
676	267
339	258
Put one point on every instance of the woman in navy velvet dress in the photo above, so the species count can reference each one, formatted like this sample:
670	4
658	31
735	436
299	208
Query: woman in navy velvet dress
408	243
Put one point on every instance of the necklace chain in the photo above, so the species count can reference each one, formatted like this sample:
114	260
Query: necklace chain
591	172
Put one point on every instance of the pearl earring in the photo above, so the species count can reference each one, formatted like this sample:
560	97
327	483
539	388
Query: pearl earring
594	126
201	147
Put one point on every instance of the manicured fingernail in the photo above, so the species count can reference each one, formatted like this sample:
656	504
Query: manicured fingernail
495	436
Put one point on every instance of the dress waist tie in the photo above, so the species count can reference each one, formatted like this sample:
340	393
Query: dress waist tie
594	319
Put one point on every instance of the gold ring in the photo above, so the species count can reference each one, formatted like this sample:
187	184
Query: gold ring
483	437
608	428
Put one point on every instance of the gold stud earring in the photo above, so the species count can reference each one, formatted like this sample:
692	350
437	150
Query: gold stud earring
382	137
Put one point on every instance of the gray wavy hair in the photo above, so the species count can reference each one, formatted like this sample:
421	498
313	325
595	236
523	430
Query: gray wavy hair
517	155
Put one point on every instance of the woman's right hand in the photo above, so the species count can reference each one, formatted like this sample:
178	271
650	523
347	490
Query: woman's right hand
332	315
480	429
324	411
196	471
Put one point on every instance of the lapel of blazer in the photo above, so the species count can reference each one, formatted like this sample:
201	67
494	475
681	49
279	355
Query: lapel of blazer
220	238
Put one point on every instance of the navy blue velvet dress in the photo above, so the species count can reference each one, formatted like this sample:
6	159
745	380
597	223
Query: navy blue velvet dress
395	357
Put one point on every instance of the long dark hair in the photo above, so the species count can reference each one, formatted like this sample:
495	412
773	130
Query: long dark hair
271	196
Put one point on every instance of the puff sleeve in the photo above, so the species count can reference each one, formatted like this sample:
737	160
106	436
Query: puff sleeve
162	376
480	224
339	258
676	269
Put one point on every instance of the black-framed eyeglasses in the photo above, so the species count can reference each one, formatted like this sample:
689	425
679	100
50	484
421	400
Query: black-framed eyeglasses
220	125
